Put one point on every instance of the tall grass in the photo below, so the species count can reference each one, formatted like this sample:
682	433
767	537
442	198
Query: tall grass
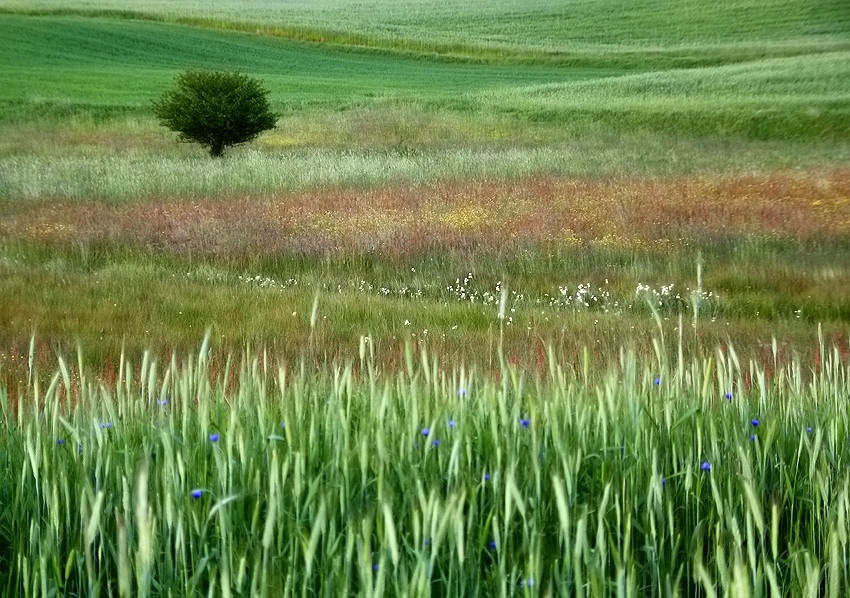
670	475
486	437
568	297
132	173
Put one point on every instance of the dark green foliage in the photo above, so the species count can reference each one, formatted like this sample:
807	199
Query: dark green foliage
216	109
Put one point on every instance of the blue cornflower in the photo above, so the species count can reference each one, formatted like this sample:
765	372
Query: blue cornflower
162	402
752	437
492	544
197	493
728	396
60	441
426	431
657	381
461	392
486	477
426	541
663	481
79	449
105	425
529	583
283	425
756	423
451	423
706	466
436	442
525	422
809	429
214	437
375	567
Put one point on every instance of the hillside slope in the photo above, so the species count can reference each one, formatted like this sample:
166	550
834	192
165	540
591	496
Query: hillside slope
677	31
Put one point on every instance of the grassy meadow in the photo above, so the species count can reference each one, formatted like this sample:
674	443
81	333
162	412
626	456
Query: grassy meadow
541	298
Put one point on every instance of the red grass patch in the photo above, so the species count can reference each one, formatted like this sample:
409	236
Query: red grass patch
623	212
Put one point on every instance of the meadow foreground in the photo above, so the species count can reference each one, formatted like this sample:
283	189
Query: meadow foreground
549	299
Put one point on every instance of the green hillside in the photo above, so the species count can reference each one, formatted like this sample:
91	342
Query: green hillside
687	28
805	96
69	65
126	63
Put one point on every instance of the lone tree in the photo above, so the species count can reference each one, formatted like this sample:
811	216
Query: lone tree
216	109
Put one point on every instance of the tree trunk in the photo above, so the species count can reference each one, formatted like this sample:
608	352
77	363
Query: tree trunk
216	149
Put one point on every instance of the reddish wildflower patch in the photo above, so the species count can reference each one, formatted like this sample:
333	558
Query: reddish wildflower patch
491	215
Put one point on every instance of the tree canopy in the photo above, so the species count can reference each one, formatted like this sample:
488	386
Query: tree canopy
216	109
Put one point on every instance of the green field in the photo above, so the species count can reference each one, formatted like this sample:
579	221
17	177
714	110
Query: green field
608	241
690	477
688	30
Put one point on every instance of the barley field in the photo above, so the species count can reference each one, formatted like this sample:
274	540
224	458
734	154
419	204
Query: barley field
664	476
517	299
